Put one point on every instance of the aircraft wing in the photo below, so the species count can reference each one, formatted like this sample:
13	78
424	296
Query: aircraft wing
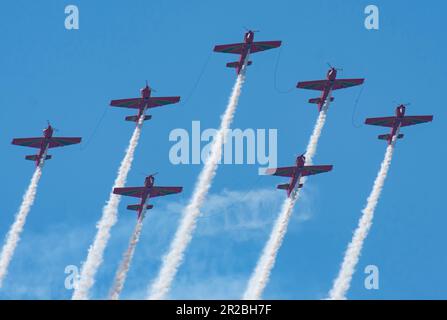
412	120
311	170
264	45
136	192
28	142
162	101
319	85
230	48
164	191
133	103
383	121
62	141
282	172
346	83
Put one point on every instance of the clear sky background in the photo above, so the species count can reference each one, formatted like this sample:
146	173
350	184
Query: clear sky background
69	77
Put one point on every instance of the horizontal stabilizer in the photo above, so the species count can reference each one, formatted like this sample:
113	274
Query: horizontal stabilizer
31	157
34	157
284	186
236	64
135	118
136	207
318	100
387	136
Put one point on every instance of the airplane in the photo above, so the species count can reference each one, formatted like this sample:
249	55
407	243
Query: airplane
296	172
396	122
144	193
245	48
44	143
327	86
143	103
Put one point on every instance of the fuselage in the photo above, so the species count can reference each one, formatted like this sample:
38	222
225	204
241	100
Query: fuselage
248	40
145	95
400	113
331	76
47	134
296	177
148	184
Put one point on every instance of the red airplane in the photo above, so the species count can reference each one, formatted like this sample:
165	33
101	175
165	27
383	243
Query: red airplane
296	172
145	192
327	86
143	103
44	143
396	122
245	48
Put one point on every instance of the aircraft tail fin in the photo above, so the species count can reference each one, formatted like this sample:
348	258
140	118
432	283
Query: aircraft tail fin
135	118
236	64
33	157
284	186
387	136
318	100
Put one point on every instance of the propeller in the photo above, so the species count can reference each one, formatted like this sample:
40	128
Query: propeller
402	104
49	125
254	31
330	66
147	175
152	89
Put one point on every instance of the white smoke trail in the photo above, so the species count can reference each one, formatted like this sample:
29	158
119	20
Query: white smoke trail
105	224
312	145
261	273
171	262
123	269
343	281
13	236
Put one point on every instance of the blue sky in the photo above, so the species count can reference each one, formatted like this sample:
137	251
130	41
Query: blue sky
69	77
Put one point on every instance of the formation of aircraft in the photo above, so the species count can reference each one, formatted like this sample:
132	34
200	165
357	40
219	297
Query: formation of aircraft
327	86
244	49
44	143
149	190
296	172
396	122
143	103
